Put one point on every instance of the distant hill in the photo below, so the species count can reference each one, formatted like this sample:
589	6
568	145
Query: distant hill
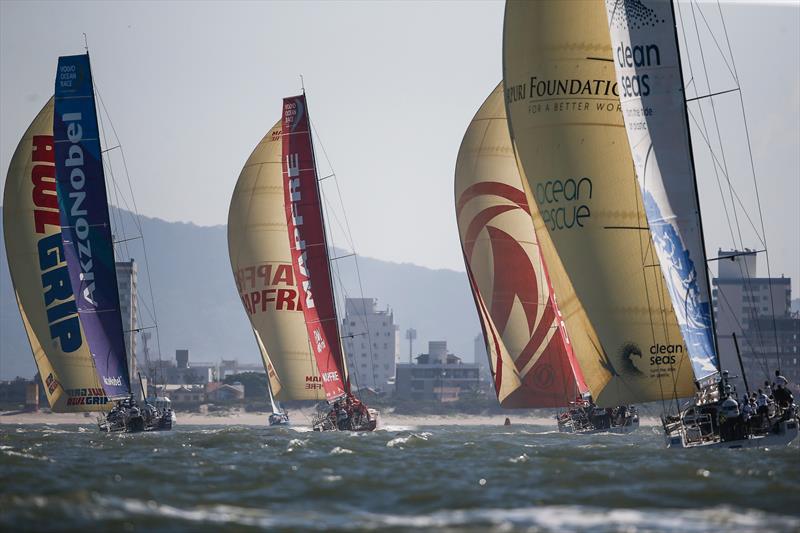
198	307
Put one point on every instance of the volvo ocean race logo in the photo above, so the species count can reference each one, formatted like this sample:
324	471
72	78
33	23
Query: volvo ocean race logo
77	211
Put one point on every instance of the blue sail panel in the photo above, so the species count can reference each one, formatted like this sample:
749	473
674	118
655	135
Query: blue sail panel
86	229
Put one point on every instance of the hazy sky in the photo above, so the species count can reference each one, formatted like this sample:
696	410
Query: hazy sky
193	86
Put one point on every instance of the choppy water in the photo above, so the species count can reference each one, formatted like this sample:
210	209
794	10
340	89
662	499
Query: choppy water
70	477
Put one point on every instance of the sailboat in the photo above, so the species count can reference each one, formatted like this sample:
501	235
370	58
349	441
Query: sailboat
61	257
646	57
531	356
32	232
530	352
312	270
279	256
258	245
566	131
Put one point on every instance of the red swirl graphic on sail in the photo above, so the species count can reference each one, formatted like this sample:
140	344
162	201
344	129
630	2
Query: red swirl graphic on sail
546	364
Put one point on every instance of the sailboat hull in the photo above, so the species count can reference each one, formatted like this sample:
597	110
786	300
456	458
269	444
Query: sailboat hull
630	426
785	433
323	422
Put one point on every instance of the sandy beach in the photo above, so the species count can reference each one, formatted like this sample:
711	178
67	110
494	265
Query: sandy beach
300	418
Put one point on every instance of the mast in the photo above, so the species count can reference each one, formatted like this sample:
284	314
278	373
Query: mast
696	191
308	247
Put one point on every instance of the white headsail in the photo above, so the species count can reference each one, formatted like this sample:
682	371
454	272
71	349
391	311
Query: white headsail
647	61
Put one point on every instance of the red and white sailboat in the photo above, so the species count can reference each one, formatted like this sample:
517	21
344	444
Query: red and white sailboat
312	271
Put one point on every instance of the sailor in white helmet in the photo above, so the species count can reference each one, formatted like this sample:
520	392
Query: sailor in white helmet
728	415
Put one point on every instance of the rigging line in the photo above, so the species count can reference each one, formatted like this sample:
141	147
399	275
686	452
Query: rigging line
106	163
726	174
722	195
716	125
138	223
755	182
714	38
337	270
349	232
703	130
326	231
724	165
745	337
643	253
718	93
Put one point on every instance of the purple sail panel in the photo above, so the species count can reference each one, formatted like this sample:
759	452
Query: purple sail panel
86	230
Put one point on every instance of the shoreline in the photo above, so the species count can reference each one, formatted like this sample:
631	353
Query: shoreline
300	418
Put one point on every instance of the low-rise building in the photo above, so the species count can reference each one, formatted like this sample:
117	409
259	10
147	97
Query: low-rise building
436	375
223	392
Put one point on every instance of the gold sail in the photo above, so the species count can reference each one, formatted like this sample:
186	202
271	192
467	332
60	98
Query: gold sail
532	357
258	243
565	121
39	274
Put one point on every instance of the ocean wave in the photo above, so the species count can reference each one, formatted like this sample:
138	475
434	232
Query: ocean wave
404	441
104	510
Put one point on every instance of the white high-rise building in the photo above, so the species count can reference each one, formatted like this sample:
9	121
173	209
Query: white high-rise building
371	343
758	311
128	306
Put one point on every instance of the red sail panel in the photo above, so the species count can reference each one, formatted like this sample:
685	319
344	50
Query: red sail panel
532	357
309	249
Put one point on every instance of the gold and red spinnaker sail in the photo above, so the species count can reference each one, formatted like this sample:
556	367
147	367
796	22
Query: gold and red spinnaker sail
40	276
530	353
309	250
258	244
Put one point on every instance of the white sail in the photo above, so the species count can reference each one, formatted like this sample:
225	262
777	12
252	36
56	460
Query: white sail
647	62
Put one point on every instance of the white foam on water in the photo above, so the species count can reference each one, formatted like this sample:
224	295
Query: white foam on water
406	440
584	519
340	451
296	443
552	518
